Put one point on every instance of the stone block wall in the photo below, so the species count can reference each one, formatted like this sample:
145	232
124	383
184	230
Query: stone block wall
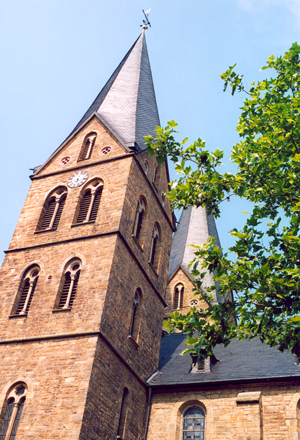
266	411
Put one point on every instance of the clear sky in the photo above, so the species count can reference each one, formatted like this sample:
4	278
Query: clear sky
56	55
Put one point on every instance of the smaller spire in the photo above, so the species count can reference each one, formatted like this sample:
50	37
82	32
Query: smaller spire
194	227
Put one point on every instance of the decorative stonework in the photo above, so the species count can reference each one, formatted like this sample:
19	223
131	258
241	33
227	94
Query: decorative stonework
105	150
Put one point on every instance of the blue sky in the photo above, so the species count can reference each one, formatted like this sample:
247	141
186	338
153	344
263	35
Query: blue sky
57	54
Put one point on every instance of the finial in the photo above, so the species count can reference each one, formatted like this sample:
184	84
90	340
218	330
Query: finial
146	22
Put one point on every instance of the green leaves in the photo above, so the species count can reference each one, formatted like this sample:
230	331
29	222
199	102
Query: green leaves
264	277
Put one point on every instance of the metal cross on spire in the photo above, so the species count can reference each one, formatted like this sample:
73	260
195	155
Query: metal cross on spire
146	22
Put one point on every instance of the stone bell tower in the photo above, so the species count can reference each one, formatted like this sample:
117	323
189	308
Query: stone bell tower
84	278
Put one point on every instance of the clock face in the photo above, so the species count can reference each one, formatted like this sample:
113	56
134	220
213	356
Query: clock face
77	179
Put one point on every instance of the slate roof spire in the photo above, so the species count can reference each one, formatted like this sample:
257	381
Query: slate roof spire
194	227
127	102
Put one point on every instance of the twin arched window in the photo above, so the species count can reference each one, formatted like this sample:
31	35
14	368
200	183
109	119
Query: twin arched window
136	315
193	426
86	212
26	290
69	284
14	405
90	201
66	293
178	296
52	210
87	146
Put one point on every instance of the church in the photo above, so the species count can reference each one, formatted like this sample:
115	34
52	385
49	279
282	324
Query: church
95	265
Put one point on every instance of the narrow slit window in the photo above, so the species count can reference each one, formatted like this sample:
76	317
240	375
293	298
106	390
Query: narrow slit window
69	285
123	415
90	201
156	177
155	247
136	315
52	210
26	290
140	221
87	146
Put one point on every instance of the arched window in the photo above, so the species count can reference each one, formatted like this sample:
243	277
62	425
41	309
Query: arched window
123	414
90	201
52	210
26	290
87	146
14	406
140	220
178	296
69	284
136	315
155	246
193	427
156	177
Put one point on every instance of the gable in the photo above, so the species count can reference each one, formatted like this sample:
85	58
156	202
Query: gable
68	155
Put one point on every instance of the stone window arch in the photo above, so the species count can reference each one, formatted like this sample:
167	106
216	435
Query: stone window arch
68	285
123	414
140	222
52	209
89	202
178	296
193	423
155	248
26	290
12	411
87	146
136	315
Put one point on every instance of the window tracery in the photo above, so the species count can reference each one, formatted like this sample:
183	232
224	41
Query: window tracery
69	285
14	407
26	290
90	201
52	210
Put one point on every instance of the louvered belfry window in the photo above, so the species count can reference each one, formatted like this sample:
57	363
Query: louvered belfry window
155	246
140	219
193	424
123	414
52	210
69	284
90	201
14	408
26	290
87	146
178	296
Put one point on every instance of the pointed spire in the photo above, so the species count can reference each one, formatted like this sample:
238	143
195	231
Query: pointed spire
127	102
194	227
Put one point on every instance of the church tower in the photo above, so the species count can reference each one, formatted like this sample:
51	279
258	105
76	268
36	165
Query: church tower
84	278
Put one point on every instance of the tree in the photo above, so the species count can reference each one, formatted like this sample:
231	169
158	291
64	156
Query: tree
265	274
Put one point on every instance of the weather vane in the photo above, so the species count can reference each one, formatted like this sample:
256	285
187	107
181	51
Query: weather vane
146	22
